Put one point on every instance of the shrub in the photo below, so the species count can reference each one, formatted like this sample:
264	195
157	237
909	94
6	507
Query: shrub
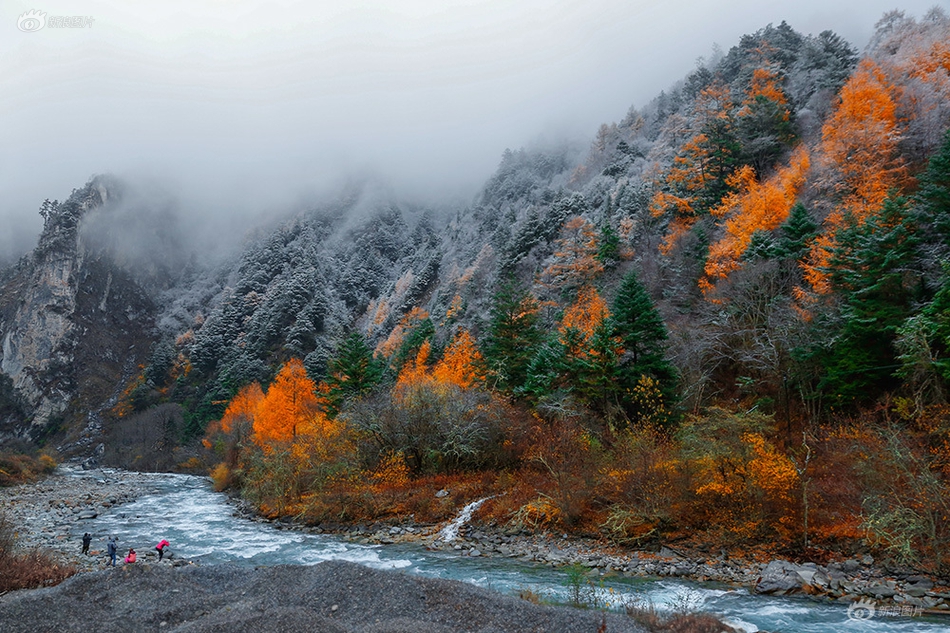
26	570
221	477
438	427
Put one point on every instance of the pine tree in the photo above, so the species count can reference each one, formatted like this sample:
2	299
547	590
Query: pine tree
513	336
608	246
353	372
933	201
796	234
642	334
871	270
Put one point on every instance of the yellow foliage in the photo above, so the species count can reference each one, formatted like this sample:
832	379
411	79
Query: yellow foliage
460	362
754	206
221	477
586	313
860	145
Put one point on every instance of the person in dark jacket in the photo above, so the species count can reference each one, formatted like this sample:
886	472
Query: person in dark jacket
86	540
162	544
112	548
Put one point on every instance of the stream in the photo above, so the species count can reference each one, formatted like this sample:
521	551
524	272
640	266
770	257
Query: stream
201	527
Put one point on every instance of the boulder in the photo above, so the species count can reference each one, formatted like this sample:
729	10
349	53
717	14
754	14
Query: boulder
779	578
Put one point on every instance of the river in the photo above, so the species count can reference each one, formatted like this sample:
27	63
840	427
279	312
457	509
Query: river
201	527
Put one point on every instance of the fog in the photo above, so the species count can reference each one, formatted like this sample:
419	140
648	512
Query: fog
244	107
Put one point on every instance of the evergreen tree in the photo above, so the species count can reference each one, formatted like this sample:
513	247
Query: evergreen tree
933	202
513	336
871	271
608	246
642	334
595	372
545	370
796	233
353	372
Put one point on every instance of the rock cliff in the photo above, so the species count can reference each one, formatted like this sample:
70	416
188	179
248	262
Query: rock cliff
73	324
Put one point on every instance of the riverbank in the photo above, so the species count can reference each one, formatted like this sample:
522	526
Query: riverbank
331	597
50	515
846	581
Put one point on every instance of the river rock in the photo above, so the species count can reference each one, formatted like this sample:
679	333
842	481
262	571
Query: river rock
881	591
850	566
779	577
442	494
88	514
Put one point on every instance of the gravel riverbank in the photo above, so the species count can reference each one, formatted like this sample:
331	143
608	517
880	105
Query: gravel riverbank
50	515
846	581
331	597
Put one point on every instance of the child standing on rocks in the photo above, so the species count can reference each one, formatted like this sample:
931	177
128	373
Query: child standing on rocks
86	540
162	544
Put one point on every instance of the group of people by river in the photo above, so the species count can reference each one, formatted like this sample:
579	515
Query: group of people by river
112	549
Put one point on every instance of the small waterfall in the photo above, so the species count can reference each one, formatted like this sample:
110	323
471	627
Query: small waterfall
451	531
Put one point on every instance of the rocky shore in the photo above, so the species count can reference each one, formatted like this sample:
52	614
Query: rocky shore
848	581
330	597
49	515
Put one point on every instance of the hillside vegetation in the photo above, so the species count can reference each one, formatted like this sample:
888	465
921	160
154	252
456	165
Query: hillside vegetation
725	321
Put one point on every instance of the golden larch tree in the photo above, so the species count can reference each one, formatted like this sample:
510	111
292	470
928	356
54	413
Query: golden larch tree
289	407
461	362
754	206
859	150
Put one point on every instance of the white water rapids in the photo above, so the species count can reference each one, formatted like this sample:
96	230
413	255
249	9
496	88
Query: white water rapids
202	527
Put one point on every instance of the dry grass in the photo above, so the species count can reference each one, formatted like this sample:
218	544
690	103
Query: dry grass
26	570
18	468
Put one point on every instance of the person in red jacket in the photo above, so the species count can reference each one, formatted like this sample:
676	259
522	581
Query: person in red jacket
162	544
131	557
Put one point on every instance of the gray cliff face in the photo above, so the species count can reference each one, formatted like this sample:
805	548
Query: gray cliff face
69	320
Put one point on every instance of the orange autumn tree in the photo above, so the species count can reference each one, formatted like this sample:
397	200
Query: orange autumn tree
239	417
755	206
859	149
397	336
696	180
585	314
289	408
415	371
461	364
575	260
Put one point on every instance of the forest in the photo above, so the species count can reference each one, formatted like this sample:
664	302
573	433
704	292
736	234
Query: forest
726	321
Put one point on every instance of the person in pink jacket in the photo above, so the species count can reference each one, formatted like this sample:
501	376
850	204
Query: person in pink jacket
162	544
131	557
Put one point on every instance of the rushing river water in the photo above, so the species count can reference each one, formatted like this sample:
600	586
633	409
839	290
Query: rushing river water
200	526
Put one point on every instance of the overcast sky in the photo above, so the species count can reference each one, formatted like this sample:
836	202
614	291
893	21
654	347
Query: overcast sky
248	104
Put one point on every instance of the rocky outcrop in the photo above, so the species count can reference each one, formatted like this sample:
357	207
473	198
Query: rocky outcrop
71	322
